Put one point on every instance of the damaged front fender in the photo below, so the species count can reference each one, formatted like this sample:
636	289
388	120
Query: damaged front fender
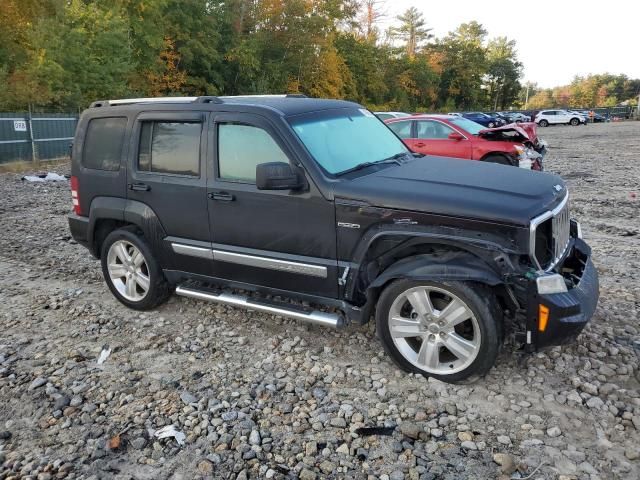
460	266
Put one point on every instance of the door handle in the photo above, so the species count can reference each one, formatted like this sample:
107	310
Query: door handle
221	196
139	187
420	144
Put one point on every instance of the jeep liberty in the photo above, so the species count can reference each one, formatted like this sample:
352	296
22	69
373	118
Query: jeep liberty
315	210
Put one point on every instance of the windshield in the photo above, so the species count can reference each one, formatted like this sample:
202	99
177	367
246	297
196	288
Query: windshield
468	125
341	139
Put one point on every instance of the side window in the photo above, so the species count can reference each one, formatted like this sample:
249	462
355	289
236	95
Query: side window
384	116
241	148
102	147
433	130
170	148
402	129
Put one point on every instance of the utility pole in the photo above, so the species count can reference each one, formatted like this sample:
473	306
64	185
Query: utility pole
526	99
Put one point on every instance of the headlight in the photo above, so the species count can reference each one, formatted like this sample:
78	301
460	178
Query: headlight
553	283
520	151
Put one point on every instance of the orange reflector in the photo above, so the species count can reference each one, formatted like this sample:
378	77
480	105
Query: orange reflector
543	317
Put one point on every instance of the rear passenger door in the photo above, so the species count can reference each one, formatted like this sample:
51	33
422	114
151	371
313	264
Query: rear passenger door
281	239
167	174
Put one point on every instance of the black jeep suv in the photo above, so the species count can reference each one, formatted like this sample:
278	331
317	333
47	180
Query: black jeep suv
313	209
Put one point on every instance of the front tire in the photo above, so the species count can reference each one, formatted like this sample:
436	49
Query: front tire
575	122
444	330
131	271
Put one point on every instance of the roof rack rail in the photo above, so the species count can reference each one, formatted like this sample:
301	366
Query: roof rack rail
277	95
131	101
201	99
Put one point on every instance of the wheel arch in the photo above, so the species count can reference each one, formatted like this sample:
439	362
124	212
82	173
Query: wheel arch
424	257
109	213
504	155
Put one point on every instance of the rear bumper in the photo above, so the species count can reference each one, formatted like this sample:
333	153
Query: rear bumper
79	227
569	312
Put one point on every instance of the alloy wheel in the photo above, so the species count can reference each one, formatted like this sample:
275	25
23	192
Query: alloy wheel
128	270
434	330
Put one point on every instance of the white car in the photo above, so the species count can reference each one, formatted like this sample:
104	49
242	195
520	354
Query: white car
562	117
387	115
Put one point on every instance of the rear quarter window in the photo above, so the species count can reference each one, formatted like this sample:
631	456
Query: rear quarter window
103	143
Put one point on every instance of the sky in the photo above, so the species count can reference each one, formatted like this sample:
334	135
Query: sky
556	40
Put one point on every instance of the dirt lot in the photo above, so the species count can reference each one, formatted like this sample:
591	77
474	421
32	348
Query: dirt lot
260	397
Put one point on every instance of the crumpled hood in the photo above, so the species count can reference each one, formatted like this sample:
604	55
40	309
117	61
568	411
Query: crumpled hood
520	132
451	187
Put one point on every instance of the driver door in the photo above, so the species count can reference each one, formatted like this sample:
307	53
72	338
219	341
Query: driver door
432	138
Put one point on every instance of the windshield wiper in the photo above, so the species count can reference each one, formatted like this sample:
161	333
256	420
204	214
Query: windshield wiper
392	159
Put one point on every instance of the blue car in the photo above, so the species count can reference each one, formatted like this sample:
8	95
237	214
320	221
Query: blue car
483	119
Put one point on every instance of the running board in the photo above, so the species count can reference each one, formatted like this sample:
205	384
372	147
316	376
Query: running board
262	305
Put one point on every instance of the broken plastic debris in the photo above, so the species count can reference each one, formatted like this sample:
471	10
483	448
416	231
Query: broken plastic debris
49	177
104	354
114	443
170	431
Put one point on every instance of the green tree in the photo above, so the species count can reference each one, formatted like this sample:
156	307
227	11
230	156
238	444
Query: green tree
464	66
503	73
412	31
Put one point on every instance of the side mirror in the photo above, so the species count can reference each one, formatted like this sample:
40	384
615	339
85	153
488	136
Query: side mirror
277	176
455	136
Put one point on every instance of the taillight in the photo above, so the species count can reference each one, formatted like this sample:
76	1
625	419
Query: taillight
75	198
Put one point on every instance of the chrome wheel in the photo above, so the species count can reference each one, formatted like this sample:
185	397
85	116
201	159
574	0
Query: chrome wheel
434	330
128	270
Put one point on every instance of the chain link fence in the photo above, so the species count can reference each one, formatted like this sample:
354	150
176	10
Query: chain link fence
35	137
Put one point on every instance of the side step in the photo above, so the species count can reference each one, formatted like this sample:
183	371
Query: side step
262	305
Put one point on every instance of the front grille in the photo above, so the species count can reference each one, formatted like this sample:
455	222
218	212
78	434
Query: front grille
550	235
560	229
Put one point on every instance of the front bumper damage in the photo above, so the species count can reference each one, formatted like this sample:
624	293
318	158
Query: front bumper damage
566	313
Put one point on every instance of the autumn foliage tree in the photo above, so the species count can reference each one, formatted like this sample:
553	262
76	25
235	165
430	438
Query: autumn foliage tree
64	54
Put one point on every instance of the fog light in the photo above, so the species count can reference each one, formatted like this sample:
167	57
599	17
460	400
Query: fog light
543	317
553	283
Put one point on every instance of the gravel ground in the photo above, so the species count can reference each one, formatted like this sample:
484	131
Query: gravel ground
261	397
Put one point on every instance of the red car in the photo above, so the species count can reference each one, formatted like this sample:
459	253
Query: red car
454	136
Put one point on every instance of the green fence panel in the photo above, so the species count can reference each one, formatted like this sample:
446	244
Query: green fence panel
41	136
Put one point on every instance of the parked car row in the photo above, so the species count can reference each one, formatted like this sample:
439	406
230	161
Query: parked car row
314	210
543	118
489	121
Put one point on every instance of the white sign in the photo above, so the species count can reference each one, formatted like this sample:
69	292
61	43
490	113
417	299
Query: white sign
20	125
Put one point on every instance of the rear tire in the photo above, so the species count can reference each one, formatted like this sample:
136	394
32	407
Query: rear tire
444	330
132	273
543	123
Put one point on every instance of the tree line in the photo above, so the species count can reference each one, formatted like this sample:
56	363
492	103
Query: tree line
64	54
603	90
